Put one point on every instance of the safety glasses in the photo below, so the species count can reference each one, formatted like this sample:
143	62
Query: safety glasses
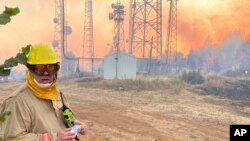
39	69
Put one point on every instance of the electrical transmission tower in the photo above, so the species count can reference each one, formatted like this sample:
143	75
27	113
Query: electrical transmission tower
145	24
172	34
88	38
118	17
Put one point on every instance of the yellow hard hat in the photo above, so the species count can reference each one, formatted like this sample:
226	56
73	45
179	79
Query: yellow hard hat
42	54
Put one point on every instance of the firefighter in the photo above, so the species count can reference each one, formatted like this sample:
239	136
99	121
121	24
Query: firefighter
39	111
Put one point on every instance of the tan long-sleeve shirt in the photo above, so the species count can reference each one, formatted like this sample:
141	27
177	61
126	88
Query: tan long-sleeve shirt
30	117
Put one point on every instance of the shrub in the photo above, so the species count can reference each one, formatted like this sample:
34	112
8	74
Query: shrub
192	77
215	85
237	73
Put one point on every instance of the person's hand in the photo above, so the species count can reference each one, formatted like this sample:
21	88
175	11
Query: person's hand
83	127
66	135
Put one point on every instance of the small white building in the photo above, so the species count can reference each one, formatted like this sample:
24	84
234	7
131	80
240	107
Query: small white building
119	65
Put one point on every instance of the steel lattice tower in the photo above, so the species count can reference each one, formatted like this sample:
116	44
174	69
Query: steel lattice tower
60	31
145	24
118	17
57	42
172	32
59	38
88	38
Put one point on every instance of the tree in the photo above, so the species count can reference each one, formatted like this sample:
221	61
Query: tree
191	60
5	16
4	19
229	51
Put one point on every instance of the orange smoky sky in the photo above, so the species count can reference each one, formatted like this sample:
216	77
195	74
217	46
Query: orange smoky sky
214	19
197	20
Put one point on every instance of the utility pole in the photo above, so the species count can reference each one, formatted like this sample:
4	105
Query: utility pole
150	56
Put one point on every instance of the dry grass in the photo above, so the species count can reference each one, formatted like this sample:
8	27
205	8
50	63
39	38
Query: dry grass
229	87
118	110
153	111
141	83
215	84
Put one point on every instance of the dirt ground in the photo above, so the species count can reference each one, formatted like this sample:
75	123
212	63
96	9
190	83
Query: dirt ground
158	115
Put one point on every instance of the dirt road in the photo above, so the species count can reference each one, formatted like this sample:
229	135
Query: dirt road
158	115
